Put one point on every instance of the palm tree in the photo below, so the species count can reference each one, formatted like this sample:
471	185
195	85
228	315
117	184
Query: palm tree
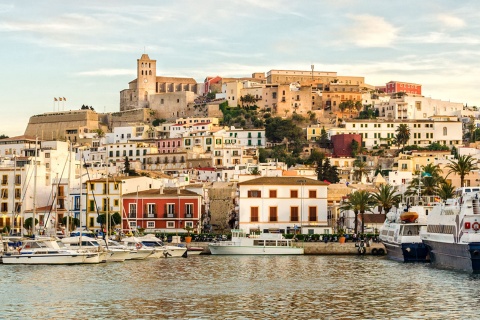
446	191
359	202
462	167
431	178
403	134
360	170
387	197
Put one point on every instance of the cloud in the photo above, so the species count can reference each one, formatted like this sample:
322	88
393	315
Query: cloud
108	72
369	31
450	21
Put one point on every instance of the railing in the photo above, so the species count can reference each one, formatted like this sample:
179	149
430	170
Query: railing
189	215
170	215
149	215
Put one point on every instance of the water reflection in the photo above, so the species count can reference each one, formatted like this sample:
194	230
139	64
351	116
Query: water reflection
232	287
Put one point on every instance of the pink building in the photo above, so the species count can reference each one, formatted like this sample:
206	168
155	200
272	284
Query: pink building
169	145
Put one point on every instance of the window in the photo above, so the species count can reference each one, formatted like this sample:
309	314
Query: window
115	202
133	224
151	224
170	224
189	210
254	194
115	186
312	213
444	131
312	194
170	207
4	193
293	193
18	179
273	214
272	193
4	179
132	209
253	214
17	193
91	207
293	213
189	224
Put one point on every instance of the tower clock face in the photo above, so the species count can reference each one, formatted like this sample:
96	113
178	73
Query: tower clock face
145	80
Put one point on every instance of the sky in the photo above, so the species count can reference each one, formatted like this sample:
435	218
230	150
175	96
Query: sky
86	51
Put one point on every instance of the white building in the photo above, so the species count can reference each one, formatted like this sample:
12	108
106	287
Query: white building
283	204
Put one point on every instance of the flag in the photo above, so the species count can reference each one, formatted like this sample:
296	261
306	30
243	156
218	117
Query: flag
64	99
55	99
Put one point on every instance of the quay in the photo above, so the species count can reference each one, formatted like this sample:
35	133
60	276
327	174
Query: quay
320	248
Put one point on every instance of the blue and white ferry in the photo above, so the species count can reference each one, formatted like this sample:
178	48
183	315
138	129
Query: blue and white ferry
453	232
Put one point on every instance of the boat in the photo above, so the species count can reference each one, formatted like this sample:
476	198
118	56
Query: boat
167	251
84	243
138	251
116	252
261	244
194	251
400	234
46	251
453	232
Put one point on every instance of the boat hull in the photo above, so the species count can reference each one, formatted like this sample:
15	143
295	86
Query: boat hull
44	259
407	252
254	250
455	256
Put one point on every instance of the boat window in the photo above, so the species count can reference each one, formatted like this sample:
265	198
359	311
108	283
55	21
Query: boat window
468	190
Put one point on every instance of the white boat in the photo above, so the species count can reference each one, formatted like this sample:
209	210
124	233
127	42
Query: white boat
263	244
88	244
138	251
400	234
194	251
453	232
167	251
116	252
46	251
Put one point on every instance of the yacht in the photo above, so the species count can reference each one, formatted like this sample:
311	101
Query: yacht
453	232
151	241
262	244
46	251
138	251
84	243
400	234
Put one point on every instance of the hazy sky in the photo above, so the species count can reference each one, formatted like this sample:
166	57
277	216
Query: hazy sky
86	51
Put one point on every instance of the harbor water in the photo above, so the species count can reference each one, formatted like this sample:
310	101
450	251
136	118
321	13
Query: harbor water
239	287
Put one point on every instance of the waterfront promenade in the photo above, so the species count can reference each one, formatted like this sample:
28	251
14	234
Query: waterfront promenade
317	248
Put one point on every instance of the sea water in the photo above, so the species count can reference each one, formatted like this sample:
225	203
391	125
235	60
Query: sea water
239	287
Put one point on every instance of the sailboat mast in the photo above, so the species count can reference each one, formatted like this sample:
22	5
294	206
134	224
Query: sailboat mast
69	208
34	187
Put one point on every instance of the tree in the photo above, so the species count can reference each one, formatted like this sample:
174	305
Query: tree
100	133
360	169
27	224
446	191
254	171
115	219
387	197
325	171
324	141
358	202
2	136
126	165
72	223
462	167
403	134
355	146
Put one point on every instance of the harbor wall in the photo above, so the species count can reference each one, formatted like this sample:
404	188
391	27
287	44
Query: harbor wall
317	248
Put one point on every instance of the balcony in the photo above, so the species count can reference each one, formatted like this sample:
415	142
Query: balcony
189	215
170	215
149	215
132	215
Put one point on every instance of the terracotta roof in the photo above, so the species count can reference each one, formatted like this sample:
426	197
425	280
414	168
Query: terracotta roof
176	80
155	193
283	181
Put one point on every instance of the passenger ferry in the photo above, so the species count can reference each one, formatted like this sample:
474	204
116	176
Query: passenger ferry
453	232
262	244
400	234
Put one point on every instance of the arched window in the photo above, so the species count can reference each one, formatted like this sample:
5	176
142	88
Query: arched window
145	96
142	66
142	72
150	72
444	131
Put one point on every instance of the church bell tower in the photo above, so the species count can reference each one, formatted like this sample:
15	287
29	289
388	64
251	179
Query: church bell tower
146	80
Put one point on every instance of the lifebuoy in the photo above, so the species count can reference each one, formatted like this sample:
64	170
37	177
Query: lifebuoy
138	245
476	226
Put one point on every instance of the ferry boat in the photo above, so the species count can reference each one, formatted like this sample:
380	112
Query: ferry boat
400	234
453	232
263	244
